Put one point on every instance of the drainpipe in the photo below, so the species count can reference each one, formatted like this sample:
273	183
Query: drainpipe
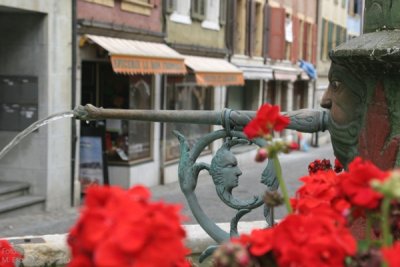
73	99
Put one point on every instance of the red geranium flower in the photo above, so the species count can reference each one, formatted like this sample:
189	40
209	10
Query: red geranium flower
338	166
356	183
391	255
302	241
319	165
8	255
123	228
321	194
268	119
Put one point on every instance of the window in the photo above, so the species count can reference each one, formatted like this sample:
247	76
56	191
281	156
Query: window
126	141
186	97
212	16
198	9
288	36
139	131
181	12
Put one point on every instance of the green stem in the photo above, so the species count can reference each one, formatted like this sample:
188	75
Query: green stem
282	184
386	235
368	229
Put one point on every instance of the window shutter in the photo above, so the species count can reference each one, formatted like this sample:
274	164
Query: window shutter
267	14
330	36
323	39
250	27
296	39
222	12
276	36
314	44
338	35
305	40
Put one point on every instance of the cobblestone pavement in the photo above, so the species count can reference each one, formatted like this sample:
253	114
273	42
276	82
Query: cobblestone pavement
294	165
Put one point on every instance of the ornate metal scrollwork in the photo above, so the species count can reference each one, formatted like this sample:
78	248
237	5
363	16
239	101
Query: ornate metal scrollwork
225	174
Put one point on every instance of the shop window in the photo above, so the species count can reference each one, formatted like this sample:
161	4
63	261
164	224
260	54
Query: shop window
186	97
129	140
270	92
18	102
244	97
300	94
139	131
126	141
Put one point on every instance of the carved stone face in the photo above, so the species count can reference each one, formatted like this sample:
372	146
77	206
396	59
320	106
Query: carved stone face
339	98
230	171
345	98
225	171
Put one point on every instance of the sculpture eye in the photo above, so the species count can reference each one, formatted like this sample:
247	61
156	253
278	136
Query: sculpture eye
335	85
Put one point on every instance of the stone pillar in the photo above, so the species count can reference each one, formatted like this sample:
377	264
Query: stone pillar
364	90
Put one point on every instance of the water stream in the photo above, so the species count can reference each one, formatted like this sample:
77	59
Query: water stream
33	127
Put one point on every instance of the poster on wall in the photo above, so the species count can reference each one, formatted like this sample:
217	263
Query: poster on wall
93	169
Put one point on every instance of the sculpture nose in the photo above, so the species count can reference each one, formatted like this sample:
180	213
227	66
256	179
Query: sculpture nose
326	101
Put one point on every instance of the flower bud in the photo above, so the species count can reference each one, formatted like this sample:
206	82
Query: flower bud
262	154
273	199
232	255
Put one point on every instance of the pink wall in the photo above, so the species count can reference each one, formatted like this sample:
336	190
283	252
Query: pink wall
96	12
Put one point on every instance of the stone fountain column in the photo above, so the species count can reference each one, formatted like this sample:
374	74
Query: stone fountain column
364	91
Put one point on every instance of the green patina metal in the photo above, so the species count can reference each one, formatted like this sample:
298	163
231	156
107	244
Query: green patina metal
364	90
381	14
224	169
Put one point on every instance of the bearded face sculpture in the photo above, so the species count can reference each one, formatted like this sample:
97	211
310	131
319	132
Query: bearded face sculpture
345	99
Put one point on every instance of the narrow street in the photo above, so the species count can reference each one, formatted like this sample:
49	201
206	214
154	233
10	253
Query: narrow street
294	165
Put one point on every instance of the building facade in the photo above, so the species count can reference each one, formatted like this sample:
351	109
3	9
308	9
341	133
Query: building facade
149	55
123	62
267	40
155	55
35	81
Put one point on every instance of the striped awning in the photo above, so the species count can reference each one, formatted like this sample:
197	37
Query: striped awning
214	71
138	57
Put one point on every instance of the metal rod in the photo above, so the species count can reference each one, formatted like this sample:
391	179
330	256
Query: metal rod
304	120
